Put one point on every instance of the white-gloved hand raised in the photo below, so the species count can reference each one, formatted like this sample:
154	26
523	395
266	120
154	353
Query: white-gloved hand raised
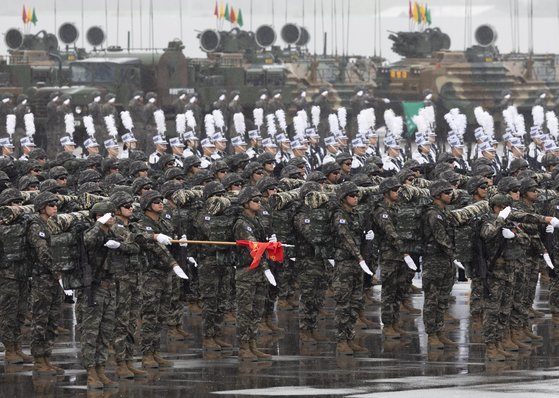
164	239
112	244
273	238
183	237
547	260
549	229
365	267
106	217
555	222
370	235
268	274
332	262
192	261
504	213
458	264
508	234
179	272
66	291
410	263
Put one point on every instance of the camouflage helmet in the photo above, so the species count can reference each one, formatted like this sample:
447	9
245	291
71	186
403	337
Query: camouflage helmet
219	165
110	163
404	174
90	187
232	178
247	193
371	169
137	154
330	167
500	200
137	166
411	164
517	165
376	160
450	176
474	183
37	153
388	184
308	187
265	158
549	160
140	182
49	185
251	168
483	170
121	198
43	199
203	176
57	172
121	188
527	184
438	187
213	188
102	208
26	181
114	179
343	157
170	187
190	161
507	184
446	157
317	176
89	175
346	188
265	183
148	197
173	172
362	180
9	195
290	172
296	162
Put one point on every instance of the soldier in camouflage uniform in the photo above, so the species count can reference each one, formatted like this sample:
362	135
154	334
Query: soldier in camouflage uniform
250	285
14	285
127	288
46	293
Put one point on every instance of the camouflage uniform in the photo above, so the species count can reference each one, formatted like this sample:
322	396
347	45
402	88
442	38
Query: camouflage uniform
174	303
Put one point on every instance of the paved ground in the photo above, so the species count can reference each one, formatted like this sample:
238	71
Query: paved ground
390	369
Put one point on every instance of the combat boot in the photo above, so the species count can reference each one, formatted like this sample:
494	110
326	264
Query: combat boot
369	324
356	347
230	317
222	343
209	344
93	381
305	336
399	330
409	308
264	328
26	358
194	308
492	354
257	353
528	332
502	351
183	332
163	363
107	383
415	290
245	353
284	305
533	313
318	337
507	343
342	348
273	327
389	332
122	371
138	373
448	318
57	369
433	342
148	361
11	357
41	368
173	333
516	338
445	340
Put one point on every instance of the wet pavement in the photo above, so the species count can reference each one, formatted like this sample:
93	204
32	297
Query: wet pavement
391	368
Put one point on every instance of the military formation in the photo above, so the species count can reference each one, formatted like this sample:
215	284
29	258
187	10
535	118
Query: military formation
113	226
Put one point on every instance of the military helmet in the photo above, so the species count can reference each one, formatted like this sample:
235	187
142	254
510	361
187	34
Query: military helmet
446	157
173	172
37	153
247	194
49	185
121	198
232	178
474	183
140	182
43	199
290	172
170	187
265	158
9	195
265	183
317	176
375	160
388	184
203	176
137	166
346	188
57	172
102	208
411	164
438	187
343	157
507	184
251	168
484	171
450	176
137	154
308	187
110	163
500	200
330	167
526	184
297	162
89	175
362	180
90	187
190	161
213	188
148	197
518	164
404	174
371	169
549	159
26	181
114	179
219	165
4	177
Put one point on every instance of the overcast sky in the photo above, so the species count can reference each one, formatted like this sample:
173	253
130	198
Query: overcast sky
197	15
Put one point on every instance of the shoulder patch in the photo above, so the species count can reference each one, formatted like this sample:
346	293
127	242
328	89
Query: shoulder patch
439	217
148	228
42	234
168	216
249	229
307	221
265	212
119	226
343	221
207	218
384	215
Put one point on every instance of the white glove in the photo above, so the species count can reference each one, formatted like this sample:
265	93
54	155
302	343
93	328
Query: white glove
293	258
555	222
66	292
547	260
106	217
508	234
192	261
549	229
112	244
273	238
183	237
365	267
410	263
504	213
370	235
179	272
268	274
458	264
164	239
332	262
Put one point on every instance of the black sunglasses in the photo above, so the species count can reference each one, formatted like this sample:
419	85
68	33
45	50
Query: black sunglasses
52	204
483	186
259	172
352	195
395	189
449	192
410	179
255	200
347	163
17	202
147	187
157	202
515	190
127	206
62	178
36	170
237	184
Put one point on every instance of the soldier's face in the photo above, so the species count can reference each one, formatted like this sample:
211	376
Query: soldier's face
126	211
271	150
515	195
352	199
359	151
7	151
220	145
177	150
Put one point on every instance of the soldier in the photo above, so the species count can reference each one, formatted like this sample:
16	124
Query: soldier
160	149
179	105
46	293
208	149
7	150
300	100
51	123
392	162
276	102
149	129
177	150
359	155
315	152
191	142
27	145
347	228
332	150
262	101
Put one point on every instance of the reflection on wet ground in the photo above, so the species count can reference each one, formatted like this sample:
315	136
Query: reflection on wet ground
393	368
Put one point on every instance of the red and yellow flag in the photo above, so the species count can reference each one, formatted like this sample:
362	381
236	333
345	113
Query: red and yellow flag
24	15
257	249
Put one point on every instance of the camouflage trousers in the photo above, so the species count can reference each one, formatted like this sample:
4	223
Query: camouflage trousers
519	312
173	304
98	325
438	279
14	294
533	267
273	292
229	286
554	295
251	289
153	292
313	284
395	285
287	278
496	310
127	313
46	298
212	280
476	296
193	294
348	294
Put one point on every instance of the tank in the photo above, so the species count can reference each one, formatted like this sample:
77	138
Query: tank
479	76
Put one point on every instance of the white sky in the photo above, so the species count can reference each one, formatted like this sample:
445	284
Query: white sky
197	15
